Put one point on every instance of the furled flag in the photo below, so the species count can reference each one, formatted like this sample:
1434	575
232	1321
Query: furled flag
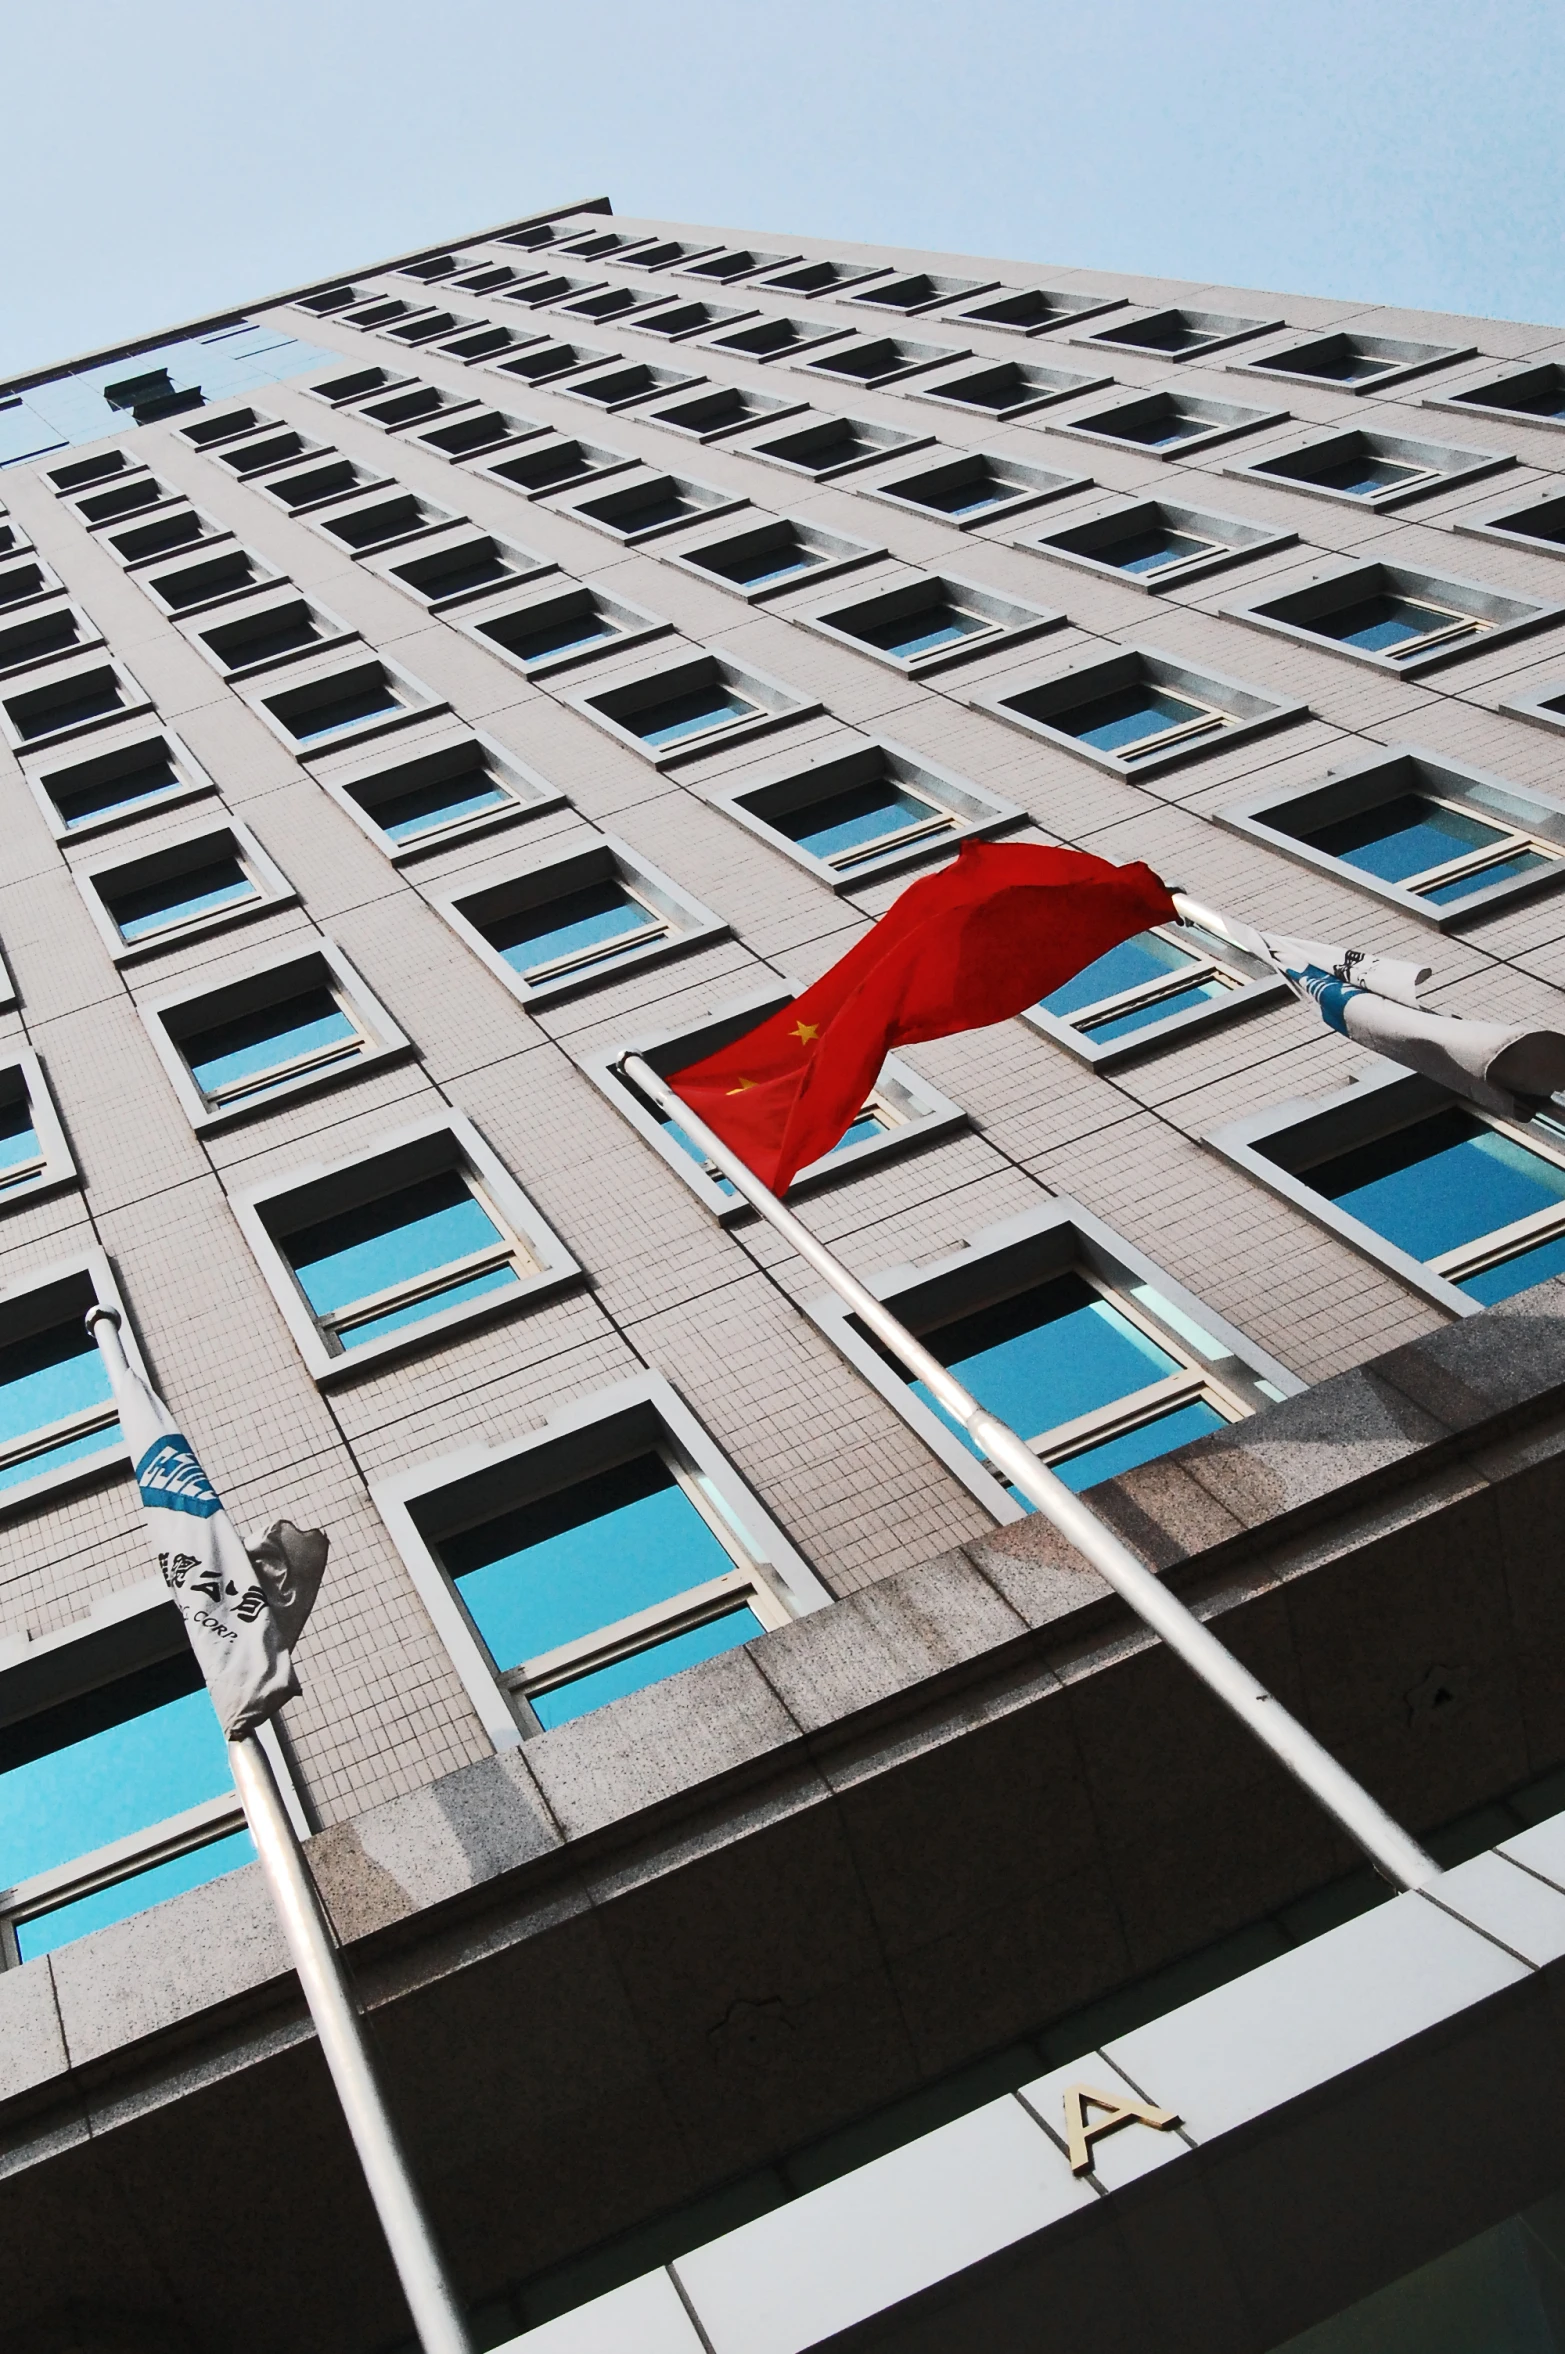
243	1610
1509	1068
975	943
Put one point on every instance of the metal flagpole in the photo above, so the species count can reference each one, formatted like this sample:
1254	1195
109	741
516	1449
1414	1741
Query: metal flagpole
1394	1855
431	2298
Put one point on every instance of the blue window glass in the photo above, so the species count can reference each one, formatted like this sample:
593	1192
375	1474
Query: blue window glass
1157	1009
1484	878
967	496
650	1666
1132	965
1382	624
80	804
1050	1354
46	1932
554	1570
869	1123
341	712
181	898
19	1145
1361	476
1515	1274
51	1377
1159	429
1439	1183
842	823
402	1239
256	1051
1404	837
922	633
694	714
1144	1444
1130	716
1142	552
426	809
604	919
752	570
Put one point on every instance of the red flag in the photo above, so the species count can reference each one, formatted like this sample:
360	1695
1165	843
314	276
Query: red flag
975	943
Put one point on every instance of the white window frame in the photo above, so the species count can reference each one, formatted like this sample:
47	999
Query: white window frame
1247	983
1230	711
52	1166
610	1426
232	838
414	700
530	794
192	782
962	811
83	1281
771	703
134	703
674	923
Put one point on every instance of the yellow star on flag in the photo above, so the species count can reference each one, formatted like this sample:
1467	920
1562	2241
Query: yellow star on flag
806	1032
743	1084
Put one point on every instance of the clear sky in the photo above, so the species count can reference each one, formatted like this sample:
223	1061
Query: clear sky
167	160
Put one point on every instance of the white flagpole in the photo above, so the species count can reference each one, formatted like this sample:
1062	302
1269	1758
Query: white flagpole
426	2285
1396	1856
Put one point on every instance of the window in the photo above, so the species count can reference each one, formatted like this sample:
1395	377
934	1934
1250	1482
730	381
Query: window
875	809
184	528
1174	424
355	386
556	462
1544	706
558	630
902	1110
1032	310
676	321
21	583
927	623
319	484
466	785
880	359
266	630
379	313
610	302
379	521
768	557
601	242
440	265
656	503
723	409
977	489
1058	1326
627	385
211	580
476	430
295	1024
1441	840
411	406
1153	991
86	694
346	699
605	1553
199	882
81	471
921	290
543	362
395	1248
58	1425
1156	543
270	449
1138	710
1536	393
822	277
1395	617
1540	524
777	339
1180	334
92	792
662	253
737	262
35	637
127	497
487	279
1361	363
826	447
330	298
34	1156
551	931
483	343
428	326
228	425
463	564
1374	469
1004	389
1467	1207
545	286
692	707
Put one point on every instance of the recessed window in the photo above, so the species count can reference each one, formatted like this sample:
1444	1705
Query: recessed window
192	885
428	326
1441	840
1005	388
82	697
474	564
546	286
553	930
488	278
331	298
81	471
1467	1206
880	360
395	1248
825	447
412	406
599	243
610	302
267	630
335	704
1537	393
1375	469
57	1417
573	624
1152	991
1540	525
207	432
920	290
927	623
122	498
777	339
822	277
692	706
681	319
1180	334
211	581
1033	310
476	430
34	1155
741	261
774	555
438	795
1138	710
626	386
483	343
1364	363
721	410
440	266
378	522
1396	618
302	1023
976	489
183	528
556	463
299	492
269	449
37	637
355	386
662	253
570	1569
1156	543
89	794
647	507
1174	424
870	811
542	362
380	313
1091	1354
21	583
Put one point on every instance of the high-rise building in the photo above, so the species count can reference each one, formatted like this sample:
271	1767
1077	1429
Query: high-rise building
747	1827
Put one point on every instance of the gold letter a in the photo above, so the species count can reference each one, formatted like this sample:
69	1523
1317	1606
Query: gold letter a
1117	2111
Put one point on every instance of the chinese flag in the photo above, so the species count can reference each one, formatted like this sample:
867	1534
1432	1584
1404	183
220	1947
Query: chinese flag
973	944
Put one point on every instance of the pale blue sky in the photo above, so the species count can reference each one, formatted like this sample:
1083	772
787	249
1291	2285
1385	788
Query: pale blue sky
164	161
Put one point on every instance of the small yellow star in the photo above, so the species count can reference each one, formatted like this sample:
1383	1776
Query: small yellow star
743	1084
805	1032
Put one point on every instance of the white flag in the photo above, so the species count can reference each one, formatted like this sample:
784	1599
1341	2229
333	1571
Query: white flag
1510	1068
243	1610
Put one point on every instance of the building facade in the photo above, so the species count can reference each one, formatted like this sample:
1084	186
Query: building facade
749	1830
